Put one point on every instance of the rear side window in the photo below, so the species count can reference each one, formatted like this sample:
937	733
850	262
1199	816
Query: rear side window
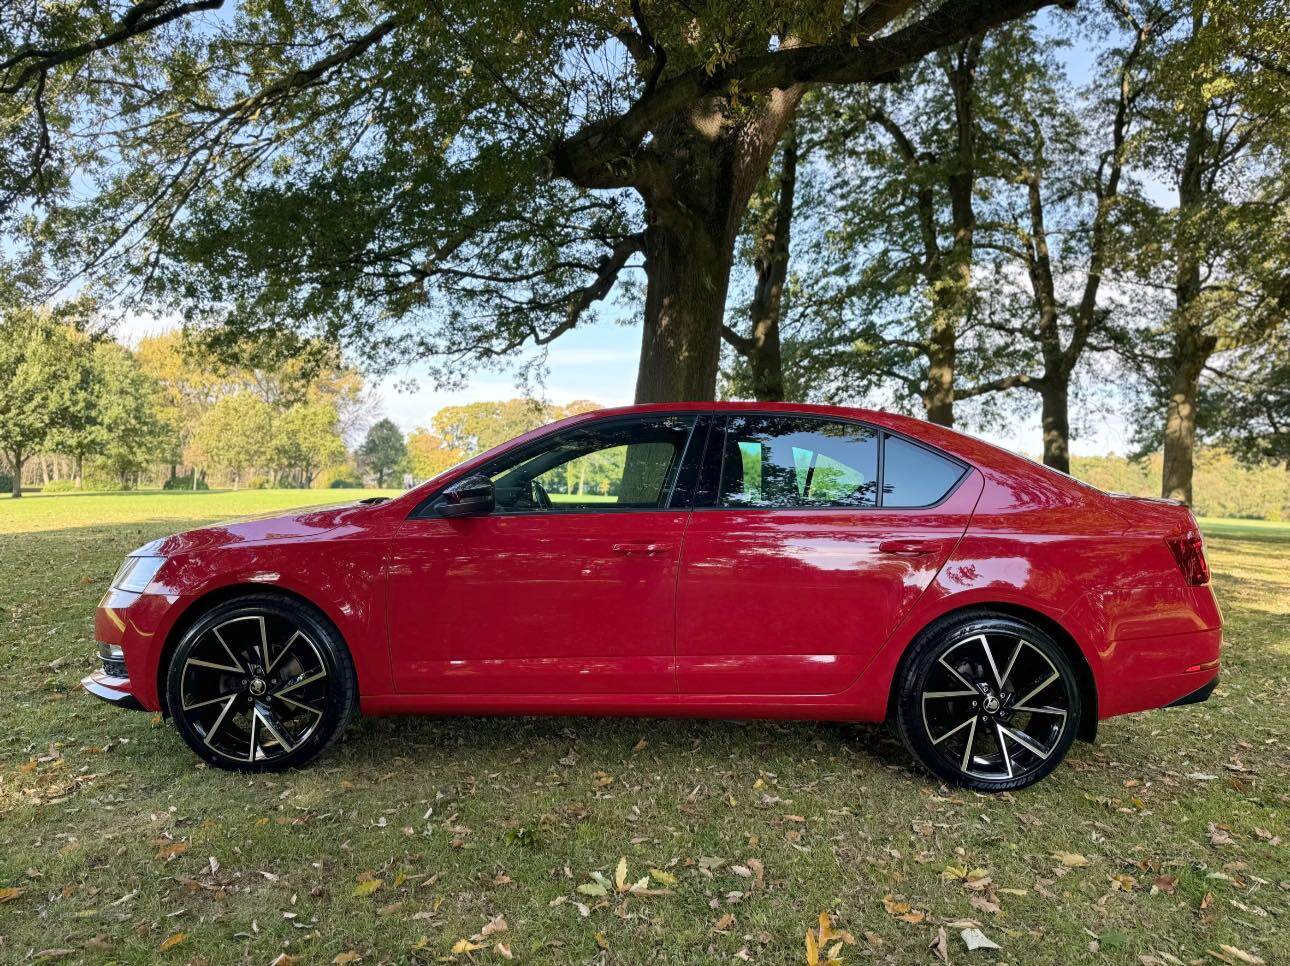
913	476
789	462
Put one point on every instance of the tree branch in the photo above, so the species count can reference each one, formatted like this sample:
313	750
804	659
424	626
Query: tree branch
591	157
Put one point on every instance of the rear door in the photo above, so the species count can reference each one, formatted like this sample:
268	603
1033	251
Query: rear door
802	555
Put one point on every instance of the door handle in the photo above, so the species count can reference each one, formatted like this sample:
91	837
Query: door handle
646	549
910	548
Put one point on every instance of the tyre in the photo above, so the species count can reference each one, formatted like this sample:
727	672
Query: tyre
261	683
988	702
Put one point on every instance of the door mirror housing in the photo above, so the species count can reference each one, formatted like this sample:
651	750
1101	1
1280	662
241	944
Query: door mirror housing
471	496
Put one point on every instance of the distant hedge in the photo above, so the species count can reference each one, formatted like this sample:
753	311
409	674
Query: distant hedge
1222	487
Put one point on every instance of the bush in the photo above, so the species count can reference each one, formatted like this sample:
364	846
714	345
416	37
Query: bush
337	478
6	483
60	486
184	483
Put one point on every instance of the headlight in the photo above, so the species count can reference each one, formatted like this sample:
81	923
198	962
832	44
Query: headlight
136	573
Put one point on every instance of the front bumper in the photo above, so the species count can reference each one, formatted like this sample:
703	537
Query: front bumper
113	690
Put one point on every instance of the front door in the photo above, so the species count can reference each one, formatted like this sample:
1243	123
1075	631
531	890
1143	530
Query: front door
567	587
811	550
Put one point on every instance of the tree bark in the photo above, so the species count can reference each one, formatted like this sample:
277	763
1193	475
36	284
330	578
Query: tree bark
695	198
1180	428
761	348
16	460
1055	415
80	472
1192	346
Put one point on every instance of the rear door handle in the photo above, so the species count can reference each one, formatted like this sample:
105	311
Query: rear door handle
910	548
644	549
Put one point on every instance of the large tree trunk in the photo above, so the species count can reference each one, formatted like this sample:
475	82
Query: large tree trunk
938	394
761	348
1192	346
16	460
693	211
687	267
1055	415
1191	353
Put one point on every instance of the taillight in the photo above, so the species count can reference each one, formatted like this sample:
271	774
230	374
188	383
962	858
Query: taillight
1189	551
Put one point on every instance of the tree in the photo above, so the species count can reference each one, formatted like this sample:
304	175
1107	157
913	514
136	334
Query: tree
451	181
476	427
429	455
307	438
234	435
45	383
127	411
1245	404
1215	130
383	451
892	290
1052	214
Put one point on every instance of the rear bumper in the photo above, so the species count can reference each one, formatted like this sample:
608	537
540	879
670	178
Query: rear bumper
113	690
1202	693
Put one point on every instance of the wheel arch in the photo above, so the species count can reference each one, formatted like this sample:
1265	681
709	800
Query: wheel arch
200	606
1051	627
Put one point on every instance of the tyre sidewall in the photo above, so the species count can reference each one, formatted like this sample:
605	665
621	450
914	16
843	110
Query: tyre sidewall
342	693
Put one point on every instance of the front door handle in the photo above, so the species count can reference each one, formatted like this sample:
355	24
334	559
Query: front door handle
910	548
644	549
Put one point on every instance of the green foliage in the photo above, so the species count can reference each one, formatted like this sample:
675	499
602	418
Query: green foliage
383	451
1223	487
46	382
339	477
59	486
236	434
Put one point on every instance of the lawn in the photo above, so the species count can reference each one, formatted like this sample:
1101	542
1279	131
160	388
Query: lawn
1165	839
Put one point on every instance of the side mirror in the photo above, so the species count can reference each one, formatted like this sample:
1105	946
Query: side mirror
471	496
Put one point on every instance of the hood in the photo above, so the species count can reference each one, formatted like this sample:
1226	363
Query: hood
309	524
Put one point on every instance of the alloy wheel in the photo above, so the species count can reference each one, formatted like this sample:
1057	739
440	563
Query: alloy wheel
254	687
995	707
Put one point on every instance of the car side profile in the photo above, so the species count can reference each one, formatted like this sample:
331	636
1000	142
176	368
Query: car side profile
717	560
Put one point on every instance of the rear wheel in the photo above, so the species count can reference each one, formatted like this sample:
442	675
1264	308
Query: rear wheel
988	701
261	683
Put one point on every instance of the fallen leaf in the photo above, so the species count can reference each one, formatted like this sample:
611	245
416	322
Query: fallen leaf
347	957
667	878
173	940
941	945
367	887
975	939
724	923
1072	860
10	893
465	946
1240	955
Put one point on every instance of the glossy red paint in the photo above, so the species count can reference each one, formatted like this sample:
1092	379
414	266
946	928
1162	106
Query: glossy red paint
708	612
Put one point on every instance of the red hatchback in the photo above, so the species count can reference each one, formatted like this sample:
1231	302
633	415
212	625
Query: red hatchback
733	560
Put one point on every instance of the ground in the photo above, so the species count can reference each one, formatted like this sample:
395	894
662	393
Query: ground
1166	838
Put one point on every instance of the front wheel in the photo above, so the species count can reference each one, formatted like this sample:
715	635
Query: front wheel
988	701
261	683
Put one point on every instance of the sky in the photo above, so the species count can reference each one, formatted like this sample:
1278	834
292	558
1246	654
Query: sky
598	361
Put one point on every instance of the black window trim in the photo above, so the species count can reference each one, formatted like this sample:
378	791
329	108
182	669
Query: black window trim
425	509
717	450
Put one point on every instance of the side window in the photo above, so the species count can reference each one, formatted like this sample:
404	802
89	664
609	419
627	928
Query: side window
787	461
913	476
614	465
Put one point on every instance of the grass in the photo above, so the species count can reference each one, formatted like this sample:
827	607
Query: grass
410	837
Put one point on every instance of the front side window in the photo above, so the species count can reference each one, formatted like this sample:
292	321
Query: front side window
608	466
786	462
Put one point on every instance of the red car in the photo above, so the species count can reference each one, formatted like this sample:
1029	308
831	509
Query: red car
718	560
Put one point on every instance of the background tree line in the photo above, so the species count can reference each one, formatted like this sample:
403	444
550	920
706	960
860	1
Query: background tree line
908	202
76	406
